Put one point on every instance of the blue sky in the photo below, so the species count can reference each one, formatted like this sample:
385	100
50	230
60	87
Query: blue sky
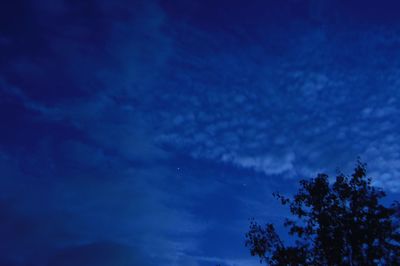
149	132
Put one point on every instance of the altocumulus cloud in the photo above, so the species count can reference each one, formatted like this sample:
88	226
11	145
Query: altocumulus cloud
288	116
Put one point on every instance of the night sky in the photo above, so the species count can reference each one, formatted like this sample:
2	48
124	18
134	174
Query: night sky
149	132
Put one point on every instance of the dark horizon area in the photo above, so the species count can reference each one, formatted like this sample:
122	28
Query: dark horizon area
148	132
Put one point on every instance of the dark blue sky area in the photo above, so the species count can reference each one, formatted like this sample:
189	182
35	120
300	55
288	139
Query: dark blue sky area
148	132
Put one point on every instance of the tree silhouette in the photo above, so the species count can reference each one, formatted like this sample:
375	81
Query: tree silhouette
334	224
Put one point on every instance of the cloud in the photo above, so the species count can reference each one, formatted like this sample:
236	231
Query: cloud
267	165
283	114
89	159
99	254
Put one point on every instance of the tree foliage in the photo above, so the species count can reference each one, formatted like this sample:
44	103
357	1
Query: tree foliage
342	223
